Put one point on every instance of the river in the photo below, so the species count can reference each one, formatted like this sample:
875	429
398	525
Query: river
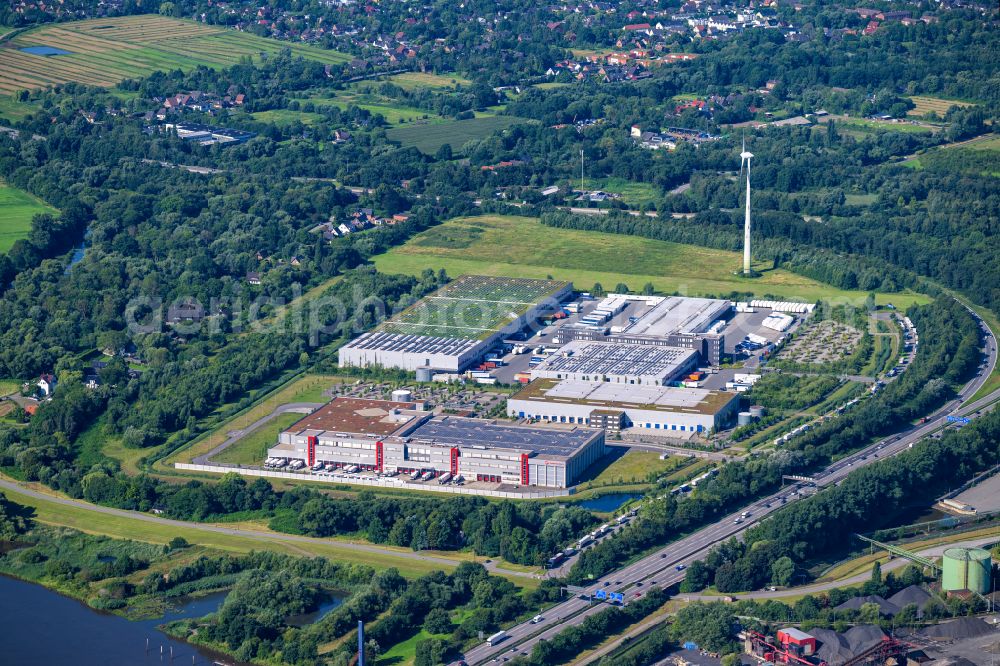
43	628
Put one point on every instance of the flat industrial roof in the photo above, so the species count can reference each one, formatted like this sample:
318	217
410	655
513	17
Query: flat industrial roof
458	431
678	314
356	415
614	358
623	396
383	340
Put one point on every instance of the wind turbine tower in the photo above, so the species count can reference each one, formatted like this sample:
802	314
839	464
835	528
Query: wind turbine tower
745	157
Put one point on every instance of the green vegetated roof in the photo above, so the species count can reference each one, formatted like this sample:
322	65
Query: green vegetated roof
472	306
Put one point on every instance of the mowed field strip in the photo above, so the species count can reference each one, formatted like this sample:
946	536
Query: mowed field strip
103	52
523	247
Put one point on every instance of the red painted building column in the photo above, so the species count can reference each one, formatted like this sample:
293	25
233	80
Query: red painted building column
311	453
454	461
525	470
379	459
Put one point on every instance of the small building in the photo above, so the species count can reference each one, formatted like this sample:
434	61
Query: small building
253	278
46	385
185	312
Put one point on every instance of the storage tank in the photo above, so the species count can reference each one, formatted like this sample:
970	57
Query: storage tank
402	395
744	418
757	411
424	374
966	569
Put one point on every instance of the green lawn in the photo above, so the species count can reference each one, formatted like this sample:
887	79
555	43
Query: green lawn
8	386
523	247
17	207
428	138
252	449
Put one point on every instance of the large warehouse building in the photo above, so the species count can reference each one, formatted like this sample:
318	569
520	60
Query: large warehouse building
452	328
613	407
620	363
672	321
384	436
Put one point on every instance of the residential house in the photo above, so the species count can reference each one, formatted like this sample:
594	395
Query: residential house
46	385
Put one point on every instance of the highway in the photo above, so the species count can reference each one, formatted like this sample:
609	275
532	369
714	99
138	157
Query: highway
660	567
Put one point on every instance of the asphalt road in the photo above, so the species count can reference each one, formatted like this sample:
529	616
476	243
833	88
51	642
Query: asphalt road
660	567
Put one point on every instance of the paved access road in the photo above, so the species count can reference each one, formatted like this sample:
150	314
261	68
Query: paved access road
660	567
237	435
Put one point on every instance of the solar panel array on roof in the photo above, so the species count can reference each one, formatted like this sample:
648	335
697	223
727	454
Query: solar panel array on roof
419	344
475	432
605	358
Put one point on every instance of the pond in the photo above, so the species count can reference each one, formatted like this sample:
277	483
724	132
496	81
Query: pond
607	503
43	627
45	51
328	603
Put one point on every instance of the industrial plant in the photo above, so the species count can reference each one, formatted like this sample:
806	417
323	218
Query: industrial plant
389	438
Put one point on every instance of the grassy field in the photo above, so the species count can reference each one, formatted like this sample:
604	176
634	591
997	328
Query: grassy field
363	98
285	117
523	247
8	386
635	467
634	194
13	111
124	527
419	80
17	207
869	126
252	449
428	138
102	52
305	389
925	105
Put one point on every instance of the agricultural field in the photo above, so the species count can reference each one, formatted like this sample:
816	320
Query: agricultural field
17	207
522	247
429	138
926	105
102	52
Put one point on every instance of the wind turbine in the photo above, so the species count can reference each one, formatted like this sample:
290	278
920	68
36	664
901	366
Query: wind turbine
745	156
